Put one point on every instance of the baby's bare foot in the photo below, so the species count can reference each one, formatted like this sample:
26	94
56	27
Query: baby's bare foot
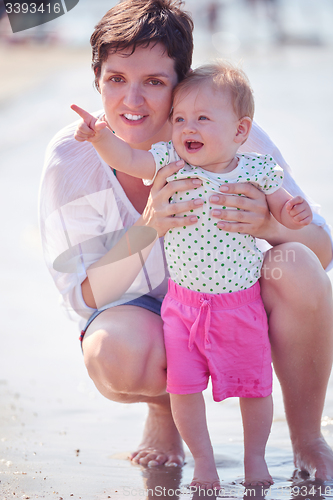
161	443
256	472
206	485
205	474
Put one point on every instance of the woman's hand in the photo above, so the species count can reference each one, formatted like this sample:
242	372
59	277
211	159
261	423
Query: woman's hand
159	212
252	217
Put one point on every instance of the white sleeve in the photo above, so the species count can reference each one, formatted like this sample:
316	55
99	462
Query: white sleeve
268	174
163	153
72	216
260	142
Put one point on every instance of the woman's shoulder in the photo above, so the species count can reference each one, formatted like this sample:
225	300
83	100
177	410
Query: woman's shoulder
260	142
72	169
66	155
65	150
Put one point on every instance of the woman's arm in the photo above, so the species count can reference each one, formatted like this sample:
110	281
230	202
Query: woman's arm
113	274
110	277
312	236
253	217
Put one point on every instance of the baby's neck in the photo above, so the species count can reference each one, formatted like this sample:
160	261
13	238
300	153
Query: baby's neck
222	167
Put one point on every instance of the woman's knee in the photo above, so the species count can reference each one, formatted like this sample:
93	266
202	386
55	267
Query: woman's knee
122	364
98	356
293	273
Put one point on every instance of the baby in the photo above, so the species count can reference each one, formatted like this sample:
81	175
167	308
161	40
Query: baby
215	323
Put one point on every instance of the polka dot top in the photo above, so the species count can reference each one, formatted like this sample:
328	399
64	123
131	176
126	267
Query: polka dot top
203	257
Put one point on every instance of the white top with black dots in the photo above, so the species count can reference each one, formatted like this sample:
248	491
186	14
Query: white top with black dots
203	257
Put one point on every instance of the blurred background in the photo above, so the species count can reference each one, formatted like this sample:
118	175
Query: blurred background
58	436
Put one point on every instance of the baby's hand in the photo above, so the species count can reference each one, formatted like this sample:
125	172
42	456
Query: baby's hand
299	210
89	128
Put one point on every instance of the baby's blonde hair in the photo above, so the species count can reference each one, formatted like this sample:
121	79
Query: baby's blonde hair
226	77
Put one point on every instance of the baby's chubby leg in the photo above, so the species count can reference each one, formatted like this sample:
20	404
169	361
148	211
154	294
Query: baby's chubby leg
257	414
189	414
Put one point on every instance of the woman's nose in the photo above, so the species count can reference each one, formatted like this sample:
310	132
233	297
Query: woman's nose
133	96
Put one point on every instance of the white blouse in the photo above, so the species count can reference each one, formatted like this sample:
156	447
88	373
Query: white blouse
84	210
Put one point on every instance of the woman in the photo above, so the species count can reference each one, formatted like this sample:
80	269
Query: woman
99	227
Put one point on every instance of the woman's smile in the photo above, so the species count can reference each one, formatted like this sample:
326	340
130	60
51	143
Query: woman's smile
133	118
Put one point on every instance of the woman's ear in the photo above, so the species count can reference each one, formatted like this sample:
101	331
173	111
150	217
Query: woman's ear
243	129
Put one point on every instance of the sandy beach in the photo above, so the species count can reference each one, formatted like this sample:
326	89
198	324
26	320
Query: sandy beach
59	438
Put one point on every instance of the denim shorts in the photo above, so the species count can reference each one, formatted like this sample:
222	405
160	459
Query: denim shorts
145	301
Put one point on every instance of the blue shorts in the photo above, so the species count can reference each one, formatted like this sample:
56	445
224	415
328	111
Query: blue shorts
145	301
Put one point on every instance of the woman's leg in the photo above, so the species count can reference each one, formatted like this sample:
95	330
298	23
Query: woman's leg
297	296
189	414
125	357
257	414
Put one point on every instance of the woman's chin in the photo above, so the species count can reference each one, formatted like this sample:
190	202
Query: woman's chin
136	139
141	136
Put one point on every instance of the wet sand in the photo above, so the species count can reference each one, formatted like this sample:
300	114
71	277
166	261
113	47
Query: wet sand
58	437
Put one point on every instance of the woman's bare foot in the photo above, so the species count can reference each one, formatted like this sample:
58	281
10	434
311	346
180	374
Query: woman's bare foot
315	456
205	474
256	472
161	443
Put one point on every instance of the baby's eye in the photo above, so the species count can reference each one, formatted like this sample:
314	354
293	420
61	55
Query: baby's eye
179	119
202	117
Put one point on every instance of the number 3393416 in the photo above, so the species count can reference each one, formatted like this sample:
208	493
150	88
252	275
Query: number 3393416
32	8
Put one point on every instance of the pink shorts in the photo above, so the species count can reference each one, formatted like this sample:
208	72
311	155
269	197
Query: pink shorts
224	336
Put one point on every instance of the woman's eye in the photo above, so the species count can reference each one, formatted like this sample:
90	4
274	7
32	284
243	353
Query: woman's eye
155	82
116	79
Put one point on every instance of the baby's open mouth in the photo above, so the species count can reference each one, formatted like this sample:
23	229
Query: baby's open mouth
193	145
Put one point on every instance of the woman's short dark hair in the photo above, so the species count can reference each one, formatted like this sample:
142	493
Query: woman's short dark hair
137	23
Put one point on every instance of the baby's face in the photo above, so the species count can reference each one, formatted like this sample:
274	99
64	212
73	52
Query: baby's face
204	127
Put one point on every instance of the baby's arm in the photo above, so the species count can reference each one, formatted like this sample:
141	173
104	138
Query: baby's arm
293	213
114	151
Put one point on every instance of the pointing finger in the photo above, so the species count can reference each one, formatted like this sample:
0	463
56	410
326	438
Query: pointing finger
87	117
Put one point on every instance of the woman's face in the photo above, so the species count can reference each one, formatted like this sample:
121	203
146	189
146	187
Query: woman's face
136	93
